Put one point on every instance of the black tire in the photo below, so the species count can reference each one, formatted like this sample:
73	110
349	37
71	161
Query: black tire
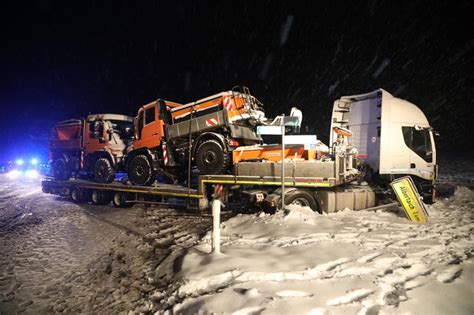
61	170
100	197
77	195
120	200
211	159
302	198
141	171
104	171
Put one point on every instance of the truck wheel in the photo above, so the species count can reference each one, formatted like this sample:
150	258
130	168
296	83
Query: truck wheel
104	171
211	158
120	200
100	197
61	169
141	171
76	195
302	198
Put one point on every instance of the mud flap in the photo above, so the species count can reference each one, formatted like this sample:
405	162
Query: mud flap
410	199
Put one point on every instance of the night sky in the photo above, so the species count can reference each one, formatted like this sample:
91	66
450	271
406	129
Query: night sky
64	59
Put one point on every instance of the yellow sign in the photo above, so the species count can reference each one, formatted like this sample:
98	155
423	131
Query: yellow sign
409	198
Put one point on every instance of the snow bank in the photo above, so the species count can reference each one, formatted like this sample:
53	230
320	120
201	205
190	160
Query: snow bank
361	262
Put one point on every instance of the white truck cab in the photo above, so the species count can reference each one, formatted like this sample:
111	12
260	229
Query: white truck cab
392	136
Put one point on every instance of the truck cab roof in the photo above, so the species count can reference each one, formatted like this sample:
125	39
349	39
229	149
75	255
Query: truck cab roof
109	117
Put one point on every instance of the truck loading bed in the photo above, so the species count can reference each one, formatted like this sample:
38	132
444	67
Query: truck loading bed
64	188
310	175
50	185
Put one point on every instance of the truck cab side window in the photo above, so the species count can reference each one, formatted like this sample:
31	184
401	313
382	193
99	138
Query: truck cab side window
419	142
149	115
96	129
140	124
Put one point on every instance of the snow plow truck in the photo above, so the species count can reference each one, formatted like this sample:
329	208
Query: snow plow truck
95	146
170	137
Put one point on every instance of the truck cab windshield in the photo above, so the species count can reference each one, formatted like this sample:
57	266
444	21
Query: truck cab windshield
123	128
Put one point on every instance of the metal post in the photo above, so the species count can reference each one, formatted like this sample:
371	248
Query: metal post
190	150
283	162
216	229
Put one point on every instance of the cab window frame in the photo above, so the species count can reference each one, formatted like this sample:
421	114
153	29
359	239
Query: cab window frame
140	123
418	140
147	111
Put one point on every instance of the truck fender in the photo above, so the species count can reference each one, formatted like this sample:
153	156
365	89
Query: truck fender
209	135
105	154
133	153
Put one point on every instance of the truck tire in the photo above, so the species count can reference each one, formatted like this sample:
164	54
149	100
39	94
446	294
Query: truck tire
302	198
141	171
104	171
100	197
61	170
119	200
77	195
211	158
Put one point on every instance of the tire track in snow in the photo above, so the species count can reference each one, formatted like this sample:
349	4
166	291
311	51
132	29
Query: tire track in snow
210	284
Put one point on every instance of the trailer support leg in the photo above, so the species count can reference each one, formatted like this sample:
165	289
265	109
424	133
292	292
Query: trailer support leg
216	229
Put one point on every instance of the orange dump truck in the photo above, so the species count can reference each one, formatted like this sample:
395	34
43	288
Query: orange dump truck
95	145
169	136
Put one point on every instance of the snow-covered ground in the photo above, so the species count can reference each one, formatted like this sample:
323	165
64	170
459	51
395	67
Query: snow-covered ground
343	263
59	257
56	256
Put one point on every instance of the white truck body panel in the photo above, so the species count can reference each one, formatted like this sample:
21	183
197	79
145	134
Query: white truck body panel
391	135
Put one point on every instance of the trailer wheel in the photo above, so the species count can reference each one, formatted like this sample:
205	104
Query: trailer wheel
104	171
61	169
302	198
211	158
77	195
100	197
120	200
141	171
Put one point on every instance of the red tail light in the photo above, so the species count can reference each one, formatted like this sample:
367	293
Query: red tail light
234	143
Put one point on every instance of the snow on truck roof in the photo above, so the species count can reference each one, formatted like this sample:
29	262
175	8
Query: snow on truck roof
110	117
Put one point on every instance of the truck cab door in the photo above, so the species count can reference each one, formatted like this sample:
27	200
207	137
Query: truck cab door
422	157
149	128
94	136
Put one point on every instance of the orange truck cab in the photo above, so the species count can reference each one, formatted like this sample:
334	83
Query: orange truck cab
169	136
95	145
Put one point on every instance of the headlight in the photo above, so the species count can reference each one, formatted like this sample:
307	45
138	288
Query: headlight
14	174
32	174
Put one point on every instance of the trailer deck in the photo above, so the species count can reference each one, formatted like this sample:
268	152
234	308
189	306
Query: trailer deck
51	185
309	175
